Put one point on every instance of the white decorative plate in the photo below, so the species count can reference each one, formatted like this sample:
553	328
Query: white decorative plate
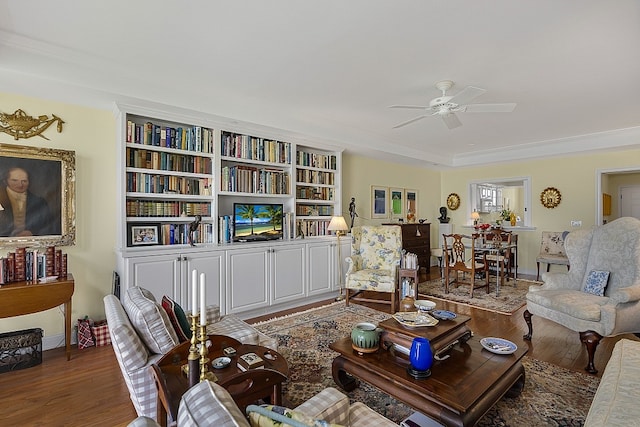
498	345
221	362
414	319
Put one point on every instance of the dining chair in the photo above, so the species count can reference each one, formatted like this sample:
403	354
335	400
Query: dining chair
460	256
500	260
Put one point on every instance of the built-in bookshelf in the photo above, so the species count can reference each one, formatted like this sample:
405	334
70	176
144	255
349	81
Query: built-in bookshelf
317	192
178	166
168	181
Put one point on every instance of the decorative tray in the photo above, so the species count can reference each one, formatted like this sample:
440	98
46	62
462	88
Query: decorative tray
498	345
414	319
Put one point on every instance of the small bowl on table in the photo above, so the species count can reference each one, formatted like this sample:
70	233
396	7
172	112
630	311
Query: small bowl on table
424	305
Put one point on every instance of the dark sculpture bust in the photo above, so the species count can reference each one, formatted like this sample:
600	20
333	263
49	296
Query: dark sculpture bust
443	218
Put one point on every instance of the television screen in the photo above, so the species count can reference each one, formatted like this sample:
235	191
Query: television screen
257	221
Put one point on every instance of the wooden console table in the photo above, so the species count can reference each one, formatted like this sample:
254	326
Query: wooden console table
19	298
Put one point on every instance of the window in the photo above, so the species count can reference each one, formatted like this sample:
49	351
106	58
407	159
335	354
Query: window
491	196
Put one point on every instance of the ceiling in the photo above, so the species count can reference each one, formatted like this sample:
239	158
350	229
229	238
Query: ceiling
329	70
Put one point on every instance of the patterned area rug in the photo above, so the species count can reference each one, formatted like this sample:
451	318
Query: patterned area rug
510	300
552	396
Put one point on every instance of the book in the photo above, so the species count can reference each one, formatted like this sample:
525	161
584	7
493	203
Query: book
250	361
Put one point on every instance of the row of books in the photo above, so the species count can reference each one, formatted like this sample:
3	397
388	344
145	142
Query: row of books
314	210
253	148
247	179
316	160
159	160
140	208
314	193
32	265
195	138
315	177
178	234
150	183
315	227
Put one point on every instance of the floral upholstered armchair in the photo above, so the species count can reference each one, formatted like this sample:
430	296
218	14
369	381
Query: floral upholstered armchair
374	262
552	250
600	295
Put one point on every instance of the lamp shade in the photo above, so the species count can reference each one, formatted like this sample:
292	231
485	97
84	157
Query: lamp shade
337	224
475	215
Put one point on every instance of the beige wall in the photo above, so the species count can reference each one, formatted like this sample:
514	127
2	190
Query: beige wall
360	173
574	176
615	182
91	134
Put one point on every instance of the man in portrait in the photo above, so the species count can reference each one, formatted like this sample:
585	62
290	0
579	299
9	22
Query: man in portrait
23	213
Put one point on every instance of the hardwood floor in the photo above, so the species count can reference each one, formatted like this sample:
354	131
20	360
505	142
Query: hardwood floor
89	390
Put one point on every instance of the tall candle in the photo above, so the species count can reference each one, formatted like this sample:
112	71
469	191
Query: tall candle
194	292
203	304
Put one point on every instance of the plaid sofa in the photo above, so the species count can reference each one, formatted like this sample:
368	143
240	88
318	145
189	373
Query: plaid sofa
209	404
141	333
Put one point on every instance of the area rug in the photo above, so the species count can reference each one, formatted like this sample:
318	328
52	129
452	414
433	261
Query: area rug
552	396
511	297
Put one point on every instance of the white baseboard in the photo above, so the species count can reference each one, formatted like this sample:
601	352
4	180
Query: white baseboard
54	341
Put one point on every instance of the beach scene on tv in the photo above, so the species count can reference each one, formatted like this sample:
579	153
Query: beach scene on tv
257	221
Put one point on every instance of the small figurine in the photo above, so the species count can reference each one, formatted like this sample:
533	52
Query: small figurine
193	227
443	218
352	211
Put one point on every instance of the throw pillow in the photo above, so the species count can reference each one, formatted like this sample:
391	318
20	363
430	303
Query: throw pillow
596	282
272	416
170	307
150	320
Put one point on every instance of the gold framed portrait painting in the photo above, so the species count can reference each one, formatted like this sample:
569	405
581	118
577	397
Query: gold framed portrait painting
37	196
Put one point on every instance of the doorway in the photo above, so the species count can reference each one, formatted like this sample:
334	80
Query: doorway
614	182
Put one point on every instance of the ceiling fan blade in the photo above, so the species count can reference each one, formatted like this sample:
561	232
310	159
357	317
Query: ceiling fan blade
467	94
413	107
451	120
415	119
489	108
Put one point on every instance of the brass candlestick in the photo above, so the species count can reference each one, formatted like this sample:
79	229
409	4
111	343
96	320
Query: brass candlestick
193	359
204	360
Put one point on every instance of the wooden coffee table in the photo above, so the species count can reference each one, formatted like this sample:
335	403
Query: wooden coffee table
245	387
460	390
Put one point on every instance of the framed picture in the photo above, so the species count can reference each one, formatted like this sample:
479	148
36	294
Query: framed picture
411	197
37	196
379	202
397	203
143	234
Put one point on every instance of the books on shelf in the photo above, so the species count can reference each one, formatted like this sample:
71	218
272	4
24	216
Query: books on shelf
250	361
189	138
253	148
316	160
24	265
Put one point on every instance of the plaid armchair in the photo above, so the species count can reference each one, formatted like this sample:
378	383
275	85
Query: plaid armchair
209	404
373	265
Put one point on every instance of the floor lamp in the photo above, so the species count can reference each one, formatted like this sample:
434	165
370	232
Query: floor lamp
339	225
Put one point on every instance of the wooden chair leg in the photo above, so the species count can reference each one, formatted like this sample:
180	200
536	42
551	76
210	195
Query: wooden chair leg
591	339
346	296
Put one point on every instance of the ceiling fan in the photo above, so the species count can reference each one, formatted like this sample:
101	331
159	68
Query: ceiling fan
446	106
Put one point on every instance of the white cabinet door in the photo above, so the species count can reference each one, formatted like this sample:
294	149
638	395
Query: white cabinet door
247	279
322	258
287	273
212	264
160	274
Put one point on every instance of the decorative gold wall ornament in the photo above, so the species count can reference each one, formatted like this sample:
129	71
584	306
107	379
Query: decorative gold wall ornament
550	197
453	201
20	125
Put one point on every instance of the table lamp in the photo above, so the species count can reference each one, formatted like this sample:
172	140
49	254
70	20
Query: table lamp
339	225
475	216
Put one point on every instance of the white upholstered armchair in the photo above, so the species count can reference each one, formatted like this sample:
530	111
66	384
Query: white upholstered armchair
374	262
600	295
